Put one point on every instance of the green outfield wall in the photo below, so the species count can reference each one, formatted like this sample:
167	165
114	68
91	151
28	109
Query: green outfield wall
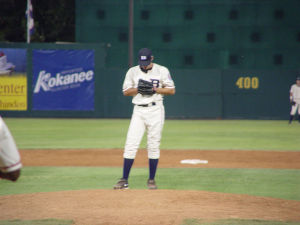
200	93
228	94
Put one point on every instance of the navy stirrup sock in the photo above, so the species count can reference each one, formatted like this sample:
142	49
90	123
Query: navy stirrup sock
126	167
152	168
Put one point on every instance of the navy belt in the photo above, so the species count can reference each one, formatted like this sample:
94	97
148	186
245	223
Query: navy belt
147	105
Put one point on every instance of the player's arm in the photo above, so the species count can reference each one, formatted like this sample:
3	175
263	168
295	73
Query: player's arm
130	92
129	88
165	91
291	96
168	87
13	176
291	93
291	99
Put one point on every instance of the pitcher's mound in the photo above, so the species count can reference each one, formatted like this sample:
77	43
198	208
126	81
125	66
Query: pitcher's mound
144	207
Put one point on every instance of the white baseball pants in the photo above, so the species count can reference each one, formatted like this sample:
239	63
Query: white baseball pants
9	155
149	119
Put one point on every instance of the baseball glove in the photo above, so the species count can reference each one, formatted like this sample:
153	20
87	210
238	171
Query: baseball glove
293	103
145	87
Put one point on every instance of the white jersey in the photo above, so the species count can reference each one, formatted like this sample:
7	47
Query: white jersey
295	90
158	75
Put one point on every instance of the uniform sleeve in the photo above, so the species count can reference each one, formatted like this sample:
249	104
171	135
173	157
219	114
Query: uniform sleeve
167	81
292	89
128	81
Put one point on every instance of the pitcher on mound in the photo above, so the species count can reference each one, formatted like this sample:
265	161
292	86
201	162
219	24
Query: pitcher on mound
147	83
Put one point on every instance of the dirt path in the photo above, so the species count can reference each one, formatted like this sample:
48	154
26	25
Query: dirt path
144	207
168	159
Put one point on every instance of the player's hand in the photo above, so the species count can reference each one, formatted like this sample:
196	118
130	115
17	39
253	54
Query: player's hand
145	87
293	103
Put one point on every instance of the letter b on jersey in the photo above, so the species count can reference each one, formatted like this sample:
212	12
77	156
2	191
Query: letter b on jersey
155	83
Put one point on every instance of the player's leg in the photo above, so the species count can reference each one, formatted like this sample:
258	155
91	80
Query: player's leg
10	163
293	112
155	122
134	136
298	105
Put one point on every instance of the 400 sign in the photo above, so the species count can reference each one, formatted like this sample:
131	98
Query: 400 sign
247	83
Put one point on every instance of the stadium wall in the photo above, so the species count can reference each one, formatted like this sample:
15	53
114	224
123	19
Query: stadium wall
200	93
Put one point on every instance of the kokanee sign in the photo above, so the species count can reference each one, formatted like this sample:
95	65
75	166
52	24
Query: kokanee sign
46	82
63	80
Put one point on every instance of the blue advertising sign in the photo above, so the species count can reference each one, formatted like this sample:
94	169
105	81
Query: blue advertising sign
63	80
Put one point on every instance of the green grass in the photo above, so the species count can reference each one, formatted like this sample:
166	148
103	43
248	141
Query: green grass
177	134
283	184
236	222
259	182
36	222
68	133
231	134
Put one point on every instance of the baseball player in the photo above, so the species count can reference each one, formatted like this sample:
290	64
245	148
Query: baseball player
10	163
295	100
147	83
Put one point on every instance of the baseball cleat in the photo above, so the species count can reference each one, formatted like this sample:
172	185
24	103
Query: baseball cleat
151	184
122	184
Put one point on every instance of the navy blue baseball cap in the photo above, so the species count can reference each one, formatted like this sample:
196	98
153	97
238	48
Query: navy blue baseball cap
145	55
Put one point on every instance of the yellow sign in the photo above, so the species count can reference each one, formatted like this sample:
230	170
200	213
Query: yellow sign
13	93
247	83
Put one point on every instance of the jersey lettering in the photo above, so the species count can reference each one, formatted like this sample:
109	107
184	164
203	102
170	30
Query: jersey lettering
155	83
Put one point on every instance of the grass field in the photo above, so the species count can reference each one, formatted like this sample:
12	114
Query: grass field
178	134
283	184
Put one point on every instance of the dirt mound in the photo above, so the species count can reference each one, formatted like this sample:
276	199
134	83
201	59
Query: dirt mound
144	207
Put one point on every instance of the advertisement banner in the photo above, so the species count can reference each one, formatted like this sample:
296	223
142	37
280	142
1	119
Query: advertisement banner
13	79
63	80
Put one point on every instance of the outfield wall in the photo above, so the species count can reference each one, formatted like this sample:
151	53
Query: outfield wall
228	94
201	93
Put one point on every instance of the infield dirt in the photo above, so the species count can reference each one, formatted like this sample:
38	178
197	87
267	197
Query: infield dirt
145	207
168	159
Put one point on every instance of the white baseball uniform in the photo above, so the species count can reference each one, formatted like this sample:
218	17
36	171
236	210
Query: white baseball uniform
148	113
9	155
295	91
